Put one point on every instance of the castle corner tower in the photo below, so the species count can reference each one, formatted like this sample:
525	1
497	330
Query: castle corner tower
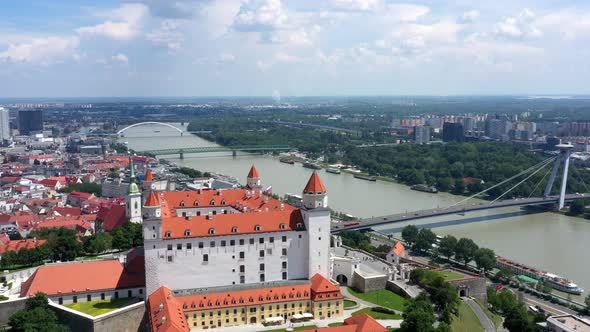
253	180
316	216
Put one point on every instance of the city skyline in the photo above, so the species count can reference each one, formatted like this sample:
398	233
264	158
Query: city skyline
293	48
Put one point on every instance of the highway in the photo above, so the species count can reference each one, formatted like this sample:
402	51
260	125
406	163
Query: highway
459	209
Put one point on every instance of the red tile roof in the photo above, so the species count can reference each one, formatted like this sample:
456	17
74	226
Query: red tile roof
81	277
65	211
320	287
165	313
152	200
16	245
398	249
364	323
148	176
81	194
112	216
253	173
314	185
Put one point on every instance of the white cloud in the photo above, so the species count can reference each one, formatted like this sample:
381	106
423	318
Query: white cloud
123	23
356	5
470	15
167	34
120	57
260	15
286	58
568	23
42	51
519	26
226	57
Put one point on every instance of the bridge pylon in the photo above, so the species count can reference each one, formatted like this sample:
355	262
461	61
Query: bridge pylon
563	158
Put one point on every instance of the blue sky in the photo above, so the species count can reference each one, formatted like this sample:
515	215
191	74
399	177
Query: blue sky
78	48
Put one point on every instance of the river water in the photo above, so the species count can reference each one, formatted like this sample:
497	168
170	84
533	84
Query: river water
548	241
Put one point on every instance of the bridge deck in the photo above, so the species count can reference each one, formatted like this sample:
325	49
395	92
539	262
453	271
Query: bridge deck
205	149
415	215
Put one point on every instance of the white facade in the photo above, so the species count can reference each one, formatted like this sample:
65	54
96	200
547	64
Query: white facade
4	124
133	207
109	294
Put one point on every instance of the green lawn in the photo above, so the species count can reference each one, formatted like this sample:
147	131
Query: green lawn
336	324
349	304
382	298
376	314
466	321
449	275
299	328
95	308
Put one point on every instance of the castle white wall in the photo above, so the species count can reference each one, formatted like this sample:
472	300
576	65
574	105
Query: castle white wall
317	223
137	292
178	267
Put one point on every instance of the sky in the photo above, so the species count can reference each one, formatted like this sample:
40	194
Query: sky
83	48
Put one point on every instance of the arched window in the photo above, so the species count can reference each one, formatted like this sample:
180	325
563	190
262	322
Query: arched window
282	226
168	234
257	228
211	230
181	203
196	203
212	202
234	229
299	225
223	202
136	205
187	232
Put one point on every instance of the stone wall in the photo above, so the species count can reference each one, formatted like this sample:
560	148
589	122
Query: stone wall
8	308
129	319
471	286
368	283
392	286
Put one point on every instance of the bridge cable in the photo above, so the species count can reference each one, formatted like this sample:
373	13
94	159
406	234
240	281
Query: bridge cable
538	183
542	163
518	184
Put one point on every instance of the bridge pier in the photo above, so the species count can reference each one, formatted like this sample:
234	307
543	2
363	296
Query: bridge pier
181	155
234	153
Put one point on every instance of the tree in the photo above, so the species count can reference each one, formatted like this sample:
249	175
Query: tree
37	316
92	188
445	298
447	246
98	243
577	207
424	240
459	188
587	302
410	234
465	250
485	259
127	236
418	316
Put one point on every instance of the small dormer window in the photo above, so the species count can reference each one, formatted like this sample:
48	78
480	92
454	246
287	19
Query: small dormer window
181	203
234	229
282	226
211	230
223	202
299	225
196	203
257	228
212	202
168	233
187	232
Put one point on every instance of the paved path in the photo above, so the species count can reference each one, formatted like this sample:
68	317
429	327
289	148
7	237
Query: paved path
362	303
485	321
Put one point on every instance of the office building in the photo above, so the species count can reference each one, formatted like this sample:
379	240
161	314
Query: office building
453	132
4	124
421	134
30	121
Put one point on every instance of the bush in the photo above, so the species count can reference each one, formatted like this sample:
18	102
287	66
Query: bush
384	310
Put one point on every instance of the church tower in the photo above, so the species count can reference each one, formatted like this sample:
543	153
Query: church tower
152	217
316	216
133	206
253	180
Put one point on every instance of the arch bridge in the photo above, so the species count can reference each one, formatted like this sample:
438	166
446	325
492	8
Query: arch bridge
120	132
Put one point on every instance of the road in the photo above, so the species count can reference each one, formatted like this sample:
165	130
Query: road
485	321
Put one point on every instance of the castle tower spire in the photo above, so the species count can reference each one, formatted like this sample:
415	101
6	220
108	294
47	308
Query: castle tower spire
314	193
253	179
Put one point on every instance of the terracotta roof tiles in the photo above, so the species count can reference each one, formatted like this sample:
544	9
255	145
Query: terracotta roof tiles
253	173
315	185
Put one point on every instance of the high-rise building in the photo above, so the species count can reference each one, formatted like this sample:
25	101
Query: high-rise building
30	121
453	132
4	124
421	134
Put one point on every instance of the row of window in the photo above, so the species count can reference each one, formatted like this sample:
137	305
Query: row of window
224	243
60	300
234	229
196	202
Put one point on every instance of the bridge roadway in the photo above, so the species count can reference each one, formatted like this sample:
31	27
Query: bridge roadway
205	149
408	216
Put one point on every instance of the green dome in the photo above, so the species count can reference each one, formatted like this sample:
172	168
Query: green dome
133	189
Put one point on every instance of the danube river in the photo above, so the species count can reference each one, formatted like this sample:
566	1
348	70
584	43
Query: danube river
549	241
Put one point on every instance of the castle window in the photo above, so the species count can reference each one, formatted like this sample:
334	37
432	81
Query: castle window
187	232
189	246
169	247
262	277
212	202
271	239
211	230
257	227
261	240
282	226
234	229
181	203
200	245
168	233
284	239
179	246
223	202
299	225
262	267
205	258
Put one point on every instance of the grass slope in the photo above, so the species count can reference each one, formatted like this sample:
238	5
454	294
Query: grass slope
382	298
466	321
95	308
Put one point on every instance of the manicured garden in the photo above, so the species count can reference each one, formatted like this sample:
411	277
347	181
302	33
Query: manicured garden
349	304
298	328
377	314
95	308
466	321
449	275
383	298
